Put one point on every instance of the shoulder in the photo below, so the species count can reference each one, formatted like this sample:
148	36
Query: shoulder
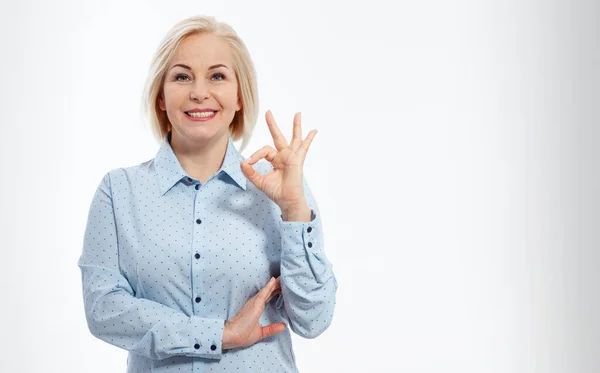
128	176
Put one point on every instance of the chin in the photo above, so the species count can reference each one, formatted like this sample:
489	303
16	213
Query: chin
204	132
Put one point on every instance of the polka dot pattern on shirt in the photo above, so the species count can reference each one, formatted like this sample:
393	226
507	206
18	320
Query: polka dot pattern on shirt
166	260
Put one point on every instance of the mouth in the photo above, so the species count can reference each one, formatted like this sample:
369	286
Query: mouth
200	115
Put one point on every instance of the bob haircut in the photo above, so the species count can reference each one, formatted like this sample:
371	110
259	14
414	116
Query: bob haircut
244	120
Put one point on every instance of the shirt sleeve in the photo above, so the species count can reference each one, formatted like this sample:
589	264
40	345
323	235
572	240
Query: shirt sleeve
308	284
115	315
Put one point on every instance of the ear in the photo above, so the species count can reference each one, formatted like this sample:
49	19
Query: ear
161	102
238	105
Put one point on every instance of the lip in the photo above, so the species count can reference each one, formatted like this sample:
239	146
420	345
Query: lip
199	110
200	119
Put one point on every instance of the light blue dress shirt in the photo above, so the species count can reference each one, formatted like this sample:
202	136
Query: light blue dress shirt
166	260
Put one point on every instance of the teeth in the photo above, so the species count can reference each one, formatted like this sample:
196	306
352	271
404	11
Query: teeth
201	114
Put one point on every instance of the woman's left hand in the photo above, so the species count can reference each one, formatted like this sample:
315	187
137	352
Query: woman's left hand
284	184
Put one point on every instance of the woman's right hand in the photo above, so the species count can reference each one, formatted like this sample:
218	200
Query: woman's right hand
243	329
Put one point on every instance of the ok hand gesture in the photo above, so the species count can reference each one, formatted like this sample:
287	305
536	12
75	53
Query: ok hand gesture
284	184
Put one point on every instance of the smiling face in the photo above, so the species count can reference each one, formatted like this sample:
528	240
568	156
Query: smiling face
200	76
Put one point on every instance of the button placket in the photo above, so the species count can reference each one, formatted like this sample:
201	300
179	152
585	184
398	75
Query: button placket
197	247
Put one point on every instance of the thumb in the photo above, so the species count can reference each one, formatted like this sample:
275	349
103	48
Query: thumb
272	329
255	177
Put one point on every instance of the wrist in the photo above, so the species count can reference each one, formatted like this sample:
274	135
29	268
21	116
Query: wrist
300	213
227	338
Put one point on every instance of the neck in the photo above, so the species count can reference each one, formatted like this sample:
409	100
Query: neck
200	160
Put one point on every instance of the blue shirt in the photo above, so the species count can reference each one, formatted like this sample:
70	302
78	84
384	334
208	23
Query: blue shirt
166	260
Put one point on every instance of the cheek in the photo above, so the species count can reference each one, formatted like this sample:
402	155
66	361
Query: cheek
173	96
227	98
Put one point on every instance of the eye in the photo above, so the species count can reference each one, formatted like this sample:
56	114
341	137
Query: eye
180	76
221	75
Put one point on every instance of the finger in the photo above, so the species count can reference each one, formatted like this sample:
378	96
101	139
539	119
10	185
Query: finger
278	281
272	329
278	138
266	152
297	134
263	294
276	289
273	293
306	144
255	177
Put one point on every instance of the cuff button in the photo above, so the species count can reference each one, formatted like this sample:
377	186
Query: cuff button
196	346
213	347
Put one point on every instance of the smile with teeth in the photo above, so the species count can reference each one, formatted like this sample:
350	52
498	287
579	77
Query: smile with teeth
201	114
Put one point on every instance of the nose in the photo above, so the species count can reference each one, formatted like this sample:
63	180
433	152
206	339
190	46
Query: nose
199	91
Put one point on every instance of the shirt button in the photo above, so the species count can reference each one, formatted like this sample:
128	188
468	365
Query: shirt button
309	229
197	256
197	186
213	347
196	346
198	299
198	221
189	179
310	244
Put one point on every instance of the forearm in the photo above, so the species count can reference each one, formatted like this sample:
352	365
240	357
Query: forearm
143	326
308	283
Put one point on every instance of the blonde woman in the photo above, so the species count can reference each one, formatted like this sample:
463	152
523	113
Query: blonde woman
199	260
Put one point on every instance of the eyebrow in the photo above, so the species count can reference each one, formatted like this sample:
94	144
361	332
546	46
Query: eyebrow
189	68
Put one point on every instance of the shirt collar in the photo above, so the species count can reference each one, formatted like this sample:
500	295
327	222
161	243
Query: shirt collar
169	171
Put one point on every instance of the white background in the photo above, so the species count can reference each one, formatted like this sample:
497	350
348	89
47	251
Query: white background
456	168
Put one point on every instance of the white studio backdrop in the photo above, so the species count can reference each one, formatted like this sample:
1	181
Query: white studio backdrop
456	169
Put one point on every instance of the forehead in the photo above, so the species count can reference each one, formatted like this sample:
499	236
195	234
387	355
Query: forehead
201	50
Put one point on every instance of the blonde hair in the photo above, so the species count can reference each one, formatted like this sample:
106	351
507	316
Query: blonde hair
244	120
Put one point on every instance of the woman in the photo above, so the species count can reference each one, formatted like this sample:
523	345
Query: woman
187	265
